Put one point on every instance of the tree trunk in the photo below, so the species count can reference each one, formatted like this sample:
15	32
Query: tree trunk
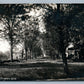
26	54
63	50
61	36
11	50
65	63
11	39
22	53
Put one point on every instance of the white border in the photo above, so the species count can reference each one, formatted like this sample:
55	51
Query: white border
40	82
41	1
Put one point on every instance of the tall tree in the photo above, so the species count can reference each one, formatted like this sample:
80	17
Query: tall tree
57	32
29	34
8	15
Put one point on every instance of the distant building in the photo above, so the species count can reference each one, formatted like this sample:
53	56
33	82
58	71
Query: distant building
70	51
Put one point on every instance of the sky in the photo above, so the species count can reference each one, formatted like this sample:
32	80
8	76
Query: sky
4	45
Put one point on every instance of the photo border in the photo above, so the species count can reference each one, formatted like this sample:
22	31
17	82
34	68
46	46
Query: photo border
41	1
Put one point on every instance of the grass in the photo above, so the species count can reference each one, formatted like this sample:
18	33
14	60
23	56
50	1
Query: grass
40	71
32	74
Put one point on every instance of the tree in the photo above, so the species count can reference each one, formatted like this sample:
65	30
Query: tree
76	28
29	34
31	28
63	41
64	22
10	20
57	32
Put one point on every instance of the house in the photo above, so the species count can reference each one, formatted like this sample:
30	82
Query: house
70	51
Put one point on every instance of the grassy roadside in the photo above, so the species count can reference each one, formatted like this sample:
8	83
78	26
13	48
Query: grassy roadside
40	71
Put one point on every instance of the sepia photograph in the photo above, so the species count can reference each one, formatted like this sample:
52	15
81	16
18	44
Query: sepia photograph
41	42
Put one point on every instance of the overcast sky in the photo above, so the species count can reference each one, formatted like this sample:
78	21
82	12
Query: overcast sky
41	1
